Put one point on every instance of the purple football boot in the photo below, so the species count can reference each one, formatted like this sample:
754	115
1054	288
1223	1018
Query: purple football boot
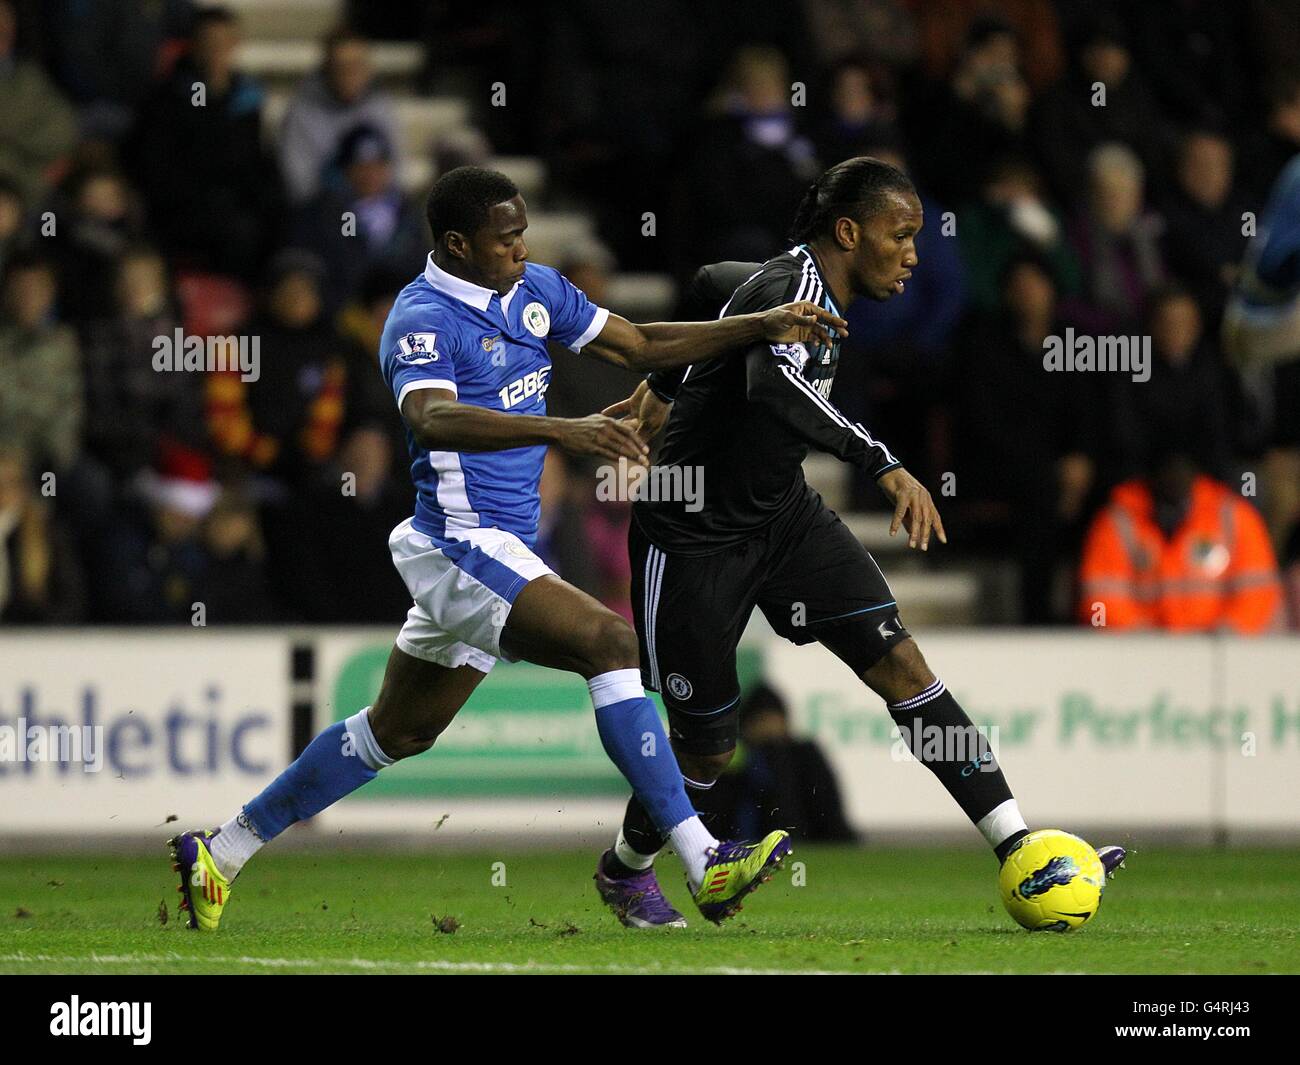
636	900
1112	857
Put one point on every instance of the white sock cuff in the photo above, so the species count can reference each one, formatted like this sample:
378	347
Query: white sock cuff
616	686
921	698
630	856
368	749
234	845
1002	822
691	838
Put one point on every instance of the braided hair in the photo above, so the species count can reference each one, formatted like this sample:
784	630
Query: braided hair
858	187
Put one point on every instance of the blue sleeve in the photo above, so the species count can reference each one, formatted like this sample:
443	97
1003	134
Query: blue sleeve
575	320
417	355
1278	264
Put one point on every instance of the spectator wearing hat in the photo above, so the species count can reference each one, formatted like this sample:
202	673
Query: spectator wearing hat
182	543
364	221
235	588
331	103
150	563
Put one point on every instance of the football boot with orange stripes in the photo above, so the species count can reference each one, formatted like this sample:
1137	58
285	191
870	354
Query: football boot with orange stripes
733	870
204	891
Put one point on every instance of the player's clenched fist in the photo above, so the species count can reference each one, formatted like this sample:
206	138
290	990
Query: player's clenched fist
802	322
914	508
602	437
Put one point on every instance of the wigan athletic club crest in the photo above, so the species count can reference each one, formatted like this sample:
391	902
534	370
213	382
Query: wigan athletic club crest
536	319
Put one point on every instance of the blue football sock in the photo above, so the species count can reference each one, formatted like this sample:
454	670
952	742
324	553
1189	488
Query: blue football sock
333	765
634	739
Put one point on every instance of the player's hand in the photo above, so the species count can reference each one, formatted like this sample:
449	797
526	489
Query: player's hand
602	437
803	322
647	411
914	508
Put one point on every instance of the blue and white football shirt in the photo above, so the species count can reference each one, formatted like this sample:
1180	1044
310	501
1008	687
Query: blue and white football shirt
489	350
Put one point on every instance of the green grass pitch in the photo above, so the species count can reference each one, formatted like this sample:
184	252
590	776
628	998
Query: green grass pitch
919	911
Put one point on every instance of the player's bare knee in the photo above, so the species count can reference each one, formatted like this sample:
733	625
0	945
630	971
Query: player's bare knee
409	743
399	739
900	674
704	768
612	644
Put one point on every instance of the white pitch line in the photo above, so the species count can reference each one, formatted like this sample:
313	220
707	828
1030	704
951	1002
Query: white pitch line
416	966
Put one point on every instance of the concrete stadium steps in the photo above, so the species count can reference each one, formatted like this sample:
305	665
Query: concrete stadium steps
642	297
872	529
948	598
552	233
281	61
829	476
286	19
526	171
421	120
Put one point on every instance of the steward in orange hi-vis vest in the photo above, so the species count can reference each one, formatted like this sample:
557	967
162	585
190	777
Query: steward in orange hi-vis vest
1214	570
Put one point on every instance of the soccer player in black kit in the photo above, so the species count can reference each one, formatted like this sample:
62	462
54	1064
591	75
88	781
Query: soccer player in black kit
763	538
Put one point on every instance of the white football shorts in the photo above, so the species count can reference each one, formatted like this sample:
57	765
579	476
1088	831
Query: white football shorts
463	589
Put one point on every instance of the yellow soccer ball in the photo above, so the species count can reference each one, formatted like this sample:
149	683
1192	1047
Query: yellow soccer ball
1051	881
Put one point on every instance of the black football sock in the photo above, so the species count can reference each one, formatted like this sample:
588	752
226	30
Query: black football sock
940	735
641	834
1004	848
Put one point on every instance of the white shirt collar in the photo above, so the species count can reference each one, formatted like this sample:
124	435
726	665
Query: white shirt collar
465	291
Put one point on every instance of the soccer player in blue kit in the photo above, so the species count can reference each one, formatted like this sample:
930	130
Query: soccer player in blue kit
465	353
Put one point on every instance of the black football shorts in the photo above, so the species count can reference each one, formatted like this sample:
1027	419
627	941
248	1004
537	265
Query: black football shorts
805	571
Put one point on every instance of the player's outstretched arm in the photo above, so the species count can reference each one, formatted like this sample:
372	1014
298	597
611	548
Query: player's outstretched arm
440	422
660	345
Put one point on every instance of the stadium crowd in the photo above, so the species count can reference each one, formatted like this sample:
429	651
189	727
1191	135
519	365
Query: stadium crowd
1082	165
